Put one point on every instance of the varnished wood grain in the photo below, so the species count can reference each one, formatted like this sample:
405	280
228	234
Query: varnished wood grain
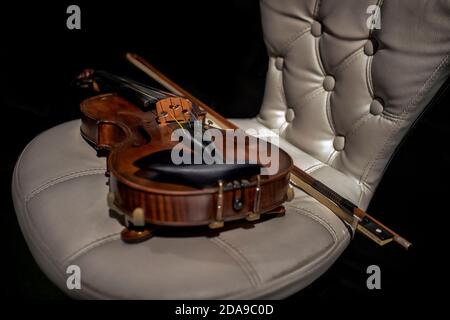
116	125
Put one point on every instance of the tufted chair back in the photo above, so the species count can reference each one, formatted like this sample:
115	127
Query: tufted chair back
344	93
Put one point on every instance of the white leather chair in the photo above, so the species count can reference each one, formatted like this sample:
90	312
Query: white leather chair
342	96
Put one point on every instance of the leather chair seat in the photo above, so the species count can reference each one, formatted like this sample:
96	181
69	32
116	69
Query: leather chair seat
59	191
341	94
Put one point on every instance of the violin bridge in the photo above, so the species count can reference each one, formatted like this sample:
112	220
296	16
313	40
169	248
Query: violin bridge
173	109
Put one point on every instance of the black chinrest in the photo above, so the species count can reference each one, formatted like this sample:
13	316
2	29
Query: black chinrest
159	167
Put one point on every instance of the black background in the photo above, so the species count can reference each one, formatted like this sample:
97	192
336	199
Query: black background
216	51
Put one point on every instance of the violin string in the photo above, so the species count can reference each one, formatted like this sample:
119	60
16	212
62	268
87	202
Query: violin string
156	90
140	91
143	89
193	115
184	112
127	83
174	116
161	93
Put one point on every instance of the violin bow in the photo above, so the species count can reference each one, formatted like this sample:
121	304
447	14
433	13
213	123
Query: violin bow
350	213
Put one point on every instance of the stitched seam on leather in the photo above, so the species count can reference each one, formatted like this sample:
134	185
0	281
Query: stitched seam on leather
44	250
27	199
349	60
334	154
92	245
281	88
269	6
240	259
283	128
316	9
283	99
19	161
290	42
301	272
308	97
319	56
369	77
357	124
110	296
414	100
30	217
304	270
317	218
427	84
360	197
391	116
361	194
278	74
366	185
230	248
387	118
315	167
329	113
362	186
363	119
63	178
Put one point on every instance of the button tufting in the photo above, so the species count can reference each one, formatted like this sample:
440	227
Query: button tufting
371	47
279	61
376	107
316	29
328	83
339	143
290	115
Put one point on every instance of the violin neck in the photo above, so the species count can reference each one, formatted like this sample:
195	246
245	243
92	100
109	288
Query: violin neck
142	95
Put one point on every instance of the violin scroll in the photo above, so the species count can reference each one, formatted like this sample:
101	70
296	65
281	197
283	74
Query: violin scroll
85	80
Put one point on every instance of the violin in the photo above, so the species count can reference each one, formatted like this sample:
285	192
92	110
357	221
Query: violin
164	173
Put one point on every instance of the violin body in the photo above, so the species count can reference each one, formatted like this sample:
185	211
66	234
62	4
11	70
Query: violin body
129	134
